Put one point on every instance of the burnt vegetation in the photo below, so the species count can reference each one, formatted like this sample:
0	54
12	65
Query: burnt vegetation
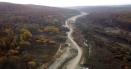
30	34
107	30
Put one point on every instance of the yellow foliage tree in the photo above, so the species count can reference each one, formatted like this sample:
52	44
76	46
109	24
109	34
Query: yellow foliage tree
25	35
51	29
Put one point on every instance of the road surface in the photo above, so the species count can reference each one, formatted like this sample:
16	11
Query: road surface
74	62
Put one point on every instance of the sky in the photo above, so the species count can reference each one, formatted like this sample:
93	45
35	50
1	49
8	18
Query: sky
69	3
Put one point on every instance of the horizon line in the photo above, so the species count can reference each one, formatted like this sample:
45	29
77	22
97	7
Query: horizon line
65	6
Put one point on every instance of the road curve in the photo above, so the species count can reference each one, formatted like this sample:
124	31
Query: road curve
74	63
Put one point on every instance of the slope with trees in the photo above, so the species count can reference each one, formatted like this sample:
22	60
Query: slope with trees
30	34
107	31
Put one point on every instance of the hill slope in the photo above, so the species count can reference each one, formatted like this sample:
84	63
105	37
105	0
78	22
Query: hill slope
107	30
30	34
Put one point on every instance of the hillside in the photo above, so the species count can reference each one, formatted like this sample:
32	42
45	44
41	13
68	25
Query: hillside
107	31
30	35
33	11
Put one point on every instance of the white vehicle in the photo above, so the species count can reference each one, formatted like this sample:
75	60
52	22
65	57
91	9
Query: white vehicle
83	68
